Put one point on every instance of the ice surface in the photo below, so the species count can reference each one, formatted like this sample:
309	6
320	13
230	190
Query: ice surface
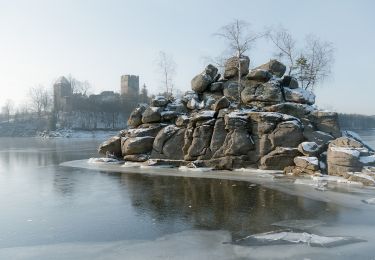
300	224
131	164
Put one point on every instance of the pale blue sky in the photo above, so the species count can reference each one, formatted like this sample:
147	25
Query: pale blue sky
99	40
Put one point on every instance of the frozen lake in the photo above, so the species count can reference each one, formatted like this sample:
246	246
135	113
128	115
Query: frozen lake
50	211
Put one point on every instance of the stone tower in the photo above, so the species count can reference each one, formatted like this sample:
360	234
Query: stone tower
62	93
130	85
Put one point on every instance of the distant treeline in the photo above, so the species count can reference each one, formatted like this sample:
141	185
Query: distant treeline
355	121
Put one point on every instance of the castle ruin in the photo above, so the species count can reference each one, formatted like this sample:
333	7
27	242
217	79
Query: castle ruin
62	93
130	85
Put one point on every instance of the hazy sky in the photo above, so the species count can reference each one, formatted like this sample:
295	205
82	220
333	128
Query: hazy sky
99	40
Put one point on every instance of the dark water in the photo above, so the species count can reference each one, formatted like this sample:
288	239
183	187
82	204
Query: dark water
42	203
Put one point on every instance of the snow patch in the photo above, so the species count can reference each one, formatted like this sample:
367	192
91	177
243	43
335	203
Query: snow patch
352	151
309	146
104	160
310	160
201	169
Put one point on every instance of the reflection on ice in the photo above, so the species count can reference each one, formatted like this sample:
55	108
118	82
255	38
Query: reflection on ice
301	224
345	194
288	237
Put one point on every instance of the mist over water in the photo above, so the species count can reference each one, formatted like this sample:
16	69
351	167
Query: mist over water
51	211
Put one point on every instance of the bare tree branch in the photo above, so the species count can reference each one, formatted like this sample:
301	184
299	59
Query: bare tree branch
167	68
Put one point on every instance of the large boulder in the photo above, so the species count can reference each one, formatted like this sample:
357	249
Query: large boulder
221	103
311	134
218	136
137	145
309	149
182	120
287	134
274	67
238	142
210	98
326	122
143	130
262	92
172	148
163	136
308	164
151	115
216	86
232	90
159	101
211	70
169	116
177	106
264	122
278	159
299	95
201	82
259	75
111	147
236	120
135	118
200	143
343	156
289	82
232	64
289	108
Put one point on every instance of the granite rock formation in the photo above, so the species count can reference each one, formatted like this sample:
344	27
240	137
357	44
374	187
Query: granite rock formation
264	121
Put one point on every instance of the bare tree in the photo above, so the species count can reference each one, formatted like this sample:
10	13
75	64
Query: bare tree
217	61
167	68
240	39
40	99
7	109
310	65
78	87
319	57
286	46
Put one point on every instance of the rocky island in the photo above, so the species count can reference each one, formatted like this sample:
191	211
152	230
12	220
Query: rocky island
243	119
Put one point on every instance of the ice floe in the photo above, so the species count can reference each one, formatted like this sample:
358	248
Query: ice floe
289	237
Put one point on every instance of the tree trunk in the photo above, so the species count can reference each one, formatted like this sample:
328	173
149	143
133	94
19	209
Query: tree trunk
239	81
